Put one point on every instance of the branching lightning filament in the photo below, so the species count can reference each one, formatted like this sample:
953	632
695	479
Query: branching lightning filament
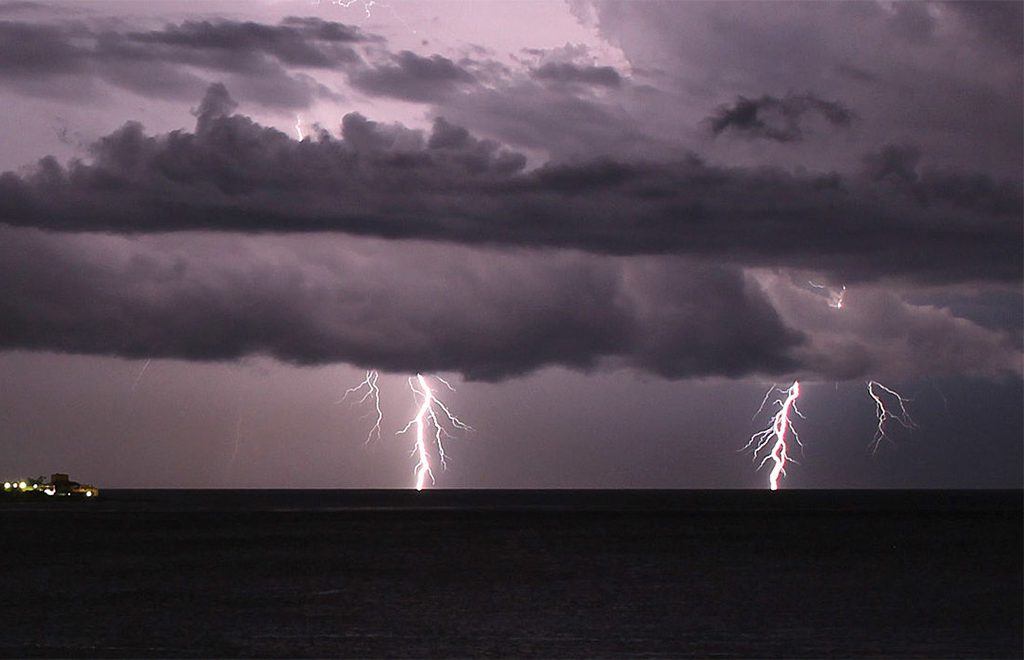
427	418
372	393
367	4
835	296
889	406
782	423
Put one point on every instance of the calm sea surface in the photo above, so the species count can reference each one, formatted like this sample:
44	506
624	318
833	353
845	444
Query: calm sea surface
514	573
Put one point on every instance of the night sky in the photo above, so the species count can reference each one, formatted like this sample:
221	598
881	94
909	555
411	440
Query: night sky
611	226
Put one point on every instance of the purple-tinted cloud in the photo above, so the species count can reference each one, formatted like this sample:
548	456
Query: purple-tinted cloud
232	174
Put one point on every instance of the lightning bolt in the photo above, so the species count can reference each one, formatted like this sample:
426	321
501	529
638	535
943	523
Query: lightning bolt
372	393
884	397
427	418
142	372
345	4
835	296
367	5
298	127
781	424
238	437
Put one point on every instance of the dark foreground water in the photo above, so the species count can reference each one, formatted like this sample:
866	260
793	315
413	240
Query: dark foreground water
513	574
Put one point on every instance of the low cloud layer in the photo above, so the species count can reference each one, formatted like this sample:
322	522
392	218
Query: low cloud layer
232	174
409	307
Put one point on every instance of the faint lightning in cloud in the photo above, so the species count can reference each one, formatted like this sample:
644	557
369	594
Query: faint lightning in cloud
835	296
427	416
298	127
142	372
782	424
889	406
345	4
238	438
367	5
372	393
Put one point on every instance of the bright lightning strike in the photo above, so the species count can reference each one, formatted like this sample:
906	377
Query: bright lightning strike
889	406
298	127
372	393
427	416
835	296
345	4
782	423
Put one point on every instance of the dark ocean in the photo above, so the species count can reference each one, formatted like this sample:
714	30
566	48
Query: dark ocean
671	574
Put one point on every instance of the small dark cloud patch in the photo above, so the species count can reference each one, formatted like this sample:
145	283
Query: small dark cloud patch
896	163
567	72
776	119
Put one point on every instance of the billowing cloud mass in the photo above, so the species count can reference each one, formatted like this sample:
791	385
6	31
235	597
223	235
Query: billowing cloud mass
232	174
661	211
411	307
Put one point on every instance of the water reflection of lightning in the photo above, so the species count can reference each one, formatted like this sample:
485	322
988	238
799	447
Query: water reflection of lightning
426	416
782	423
372	394
889	405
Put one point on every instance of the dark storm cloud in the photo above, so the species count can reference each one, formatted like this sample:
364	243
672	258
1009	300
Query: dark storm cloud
944	76
1000	21
16	6
778	119
894	162
232	174
899	165
487	314
38	50
398	307
573	73
170	62
411	77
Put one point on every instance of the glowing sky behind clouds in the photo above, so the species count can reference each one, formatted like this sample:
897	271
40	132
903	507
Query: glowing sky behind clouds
599	219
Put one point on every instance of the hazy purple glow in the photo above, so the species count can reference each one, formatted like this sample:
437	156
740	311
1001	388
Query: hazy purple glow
598	218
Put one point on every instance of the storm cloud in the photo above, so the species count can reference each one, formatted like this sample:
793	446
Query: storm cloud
409	307
232	174
778	119
485	315
175	61
411	77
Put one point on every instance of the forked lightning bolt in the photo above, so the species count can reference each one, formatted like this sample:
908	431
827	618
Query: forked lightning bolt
782	424
427	416
345	4
889	405
372	393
